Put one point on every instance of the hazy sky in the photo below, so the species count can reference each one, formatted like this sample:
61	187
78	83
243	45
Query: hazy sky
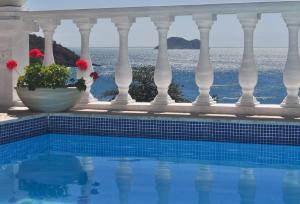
271	30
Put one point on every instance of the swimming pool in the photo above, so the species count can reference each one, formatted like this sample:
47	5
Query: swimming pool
58	168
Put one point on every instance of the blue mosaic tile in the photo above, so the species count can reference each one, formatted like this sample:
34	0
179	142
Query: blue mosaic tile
261	132
160	128
24	149
14	131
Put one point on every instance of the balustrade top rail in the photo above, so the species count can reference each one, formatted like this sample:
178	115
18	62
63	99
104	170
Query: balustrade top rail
182	10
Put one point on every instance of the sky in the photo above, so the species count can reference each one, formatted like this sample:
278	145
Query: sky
271	30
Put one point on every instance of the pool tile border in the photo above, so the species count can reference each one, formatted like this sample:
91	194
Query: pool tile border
239	131
27	127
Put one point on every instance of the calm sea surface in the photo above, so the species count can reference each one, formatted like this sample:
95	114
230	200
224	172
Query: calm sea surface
225	61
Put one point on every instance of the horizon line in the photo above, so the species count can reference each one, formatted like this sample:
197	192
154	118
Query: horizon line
169	49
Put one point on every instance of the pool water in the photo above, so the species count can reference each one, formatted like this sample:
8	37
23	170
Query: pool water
116	170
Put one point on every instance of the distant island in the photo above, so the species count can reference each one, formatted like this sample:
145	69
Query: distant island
62	55
181	43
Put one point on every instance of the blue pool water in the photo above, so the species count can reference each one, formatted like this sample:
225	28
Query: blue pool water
112	170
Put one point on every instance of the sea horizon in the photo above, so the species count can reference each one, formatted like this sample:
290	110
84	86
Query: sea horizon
78	47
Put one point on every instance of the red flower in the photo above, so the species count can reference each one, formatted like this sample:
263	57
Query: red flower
82	64
35	53
94	75
11	65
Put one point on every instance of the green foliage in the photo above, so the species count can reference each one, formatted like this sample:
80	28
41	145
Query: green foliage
55	76
39	76
21	81
32	78
143	88
80	84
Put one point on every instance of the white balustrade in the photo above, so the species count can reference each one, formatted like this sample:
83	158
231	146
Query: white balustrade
248	73
292	68
123	73
85	26
163	72
204	72
48	26
14	20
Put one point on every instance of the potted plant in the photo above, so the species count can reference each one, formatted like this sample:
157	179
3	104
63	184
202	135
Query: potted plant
49	88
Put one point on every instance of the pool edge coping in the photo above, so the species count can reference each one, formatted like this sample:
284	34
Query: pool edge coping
215	119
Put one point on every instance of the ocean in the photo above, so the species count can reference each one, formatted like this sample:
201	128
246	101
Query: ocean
225	61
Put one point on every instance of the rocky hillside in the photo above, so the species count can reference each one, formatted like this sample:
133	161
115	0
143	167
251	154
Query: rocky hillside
62	55
181	43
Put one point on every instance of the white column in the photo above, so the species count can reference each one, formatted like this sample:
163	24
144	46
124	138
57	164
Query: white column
292	68
204	73
9	49
123	74
248	75
20	52
85	26
163	72
48	26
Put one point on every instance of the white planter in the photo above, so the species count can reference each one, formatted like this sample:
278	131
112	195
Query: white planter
49	100
17	3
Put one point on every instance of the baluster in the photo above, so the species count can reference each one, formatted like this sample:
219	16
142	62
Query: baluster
204	72
48	26
248	75
123	73
292	68
85	26
163	72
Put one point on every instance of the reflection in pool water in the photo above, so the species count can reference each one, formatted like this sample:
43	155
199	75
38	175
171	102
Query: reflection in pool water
68	173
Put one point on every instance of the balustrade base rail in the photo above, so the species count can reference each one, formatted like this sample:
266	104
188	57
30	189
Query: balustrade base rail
220	108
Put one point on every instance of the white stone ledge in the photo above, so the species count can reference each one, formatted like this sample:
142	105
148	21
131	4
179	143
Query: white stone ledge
265	110
260	7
